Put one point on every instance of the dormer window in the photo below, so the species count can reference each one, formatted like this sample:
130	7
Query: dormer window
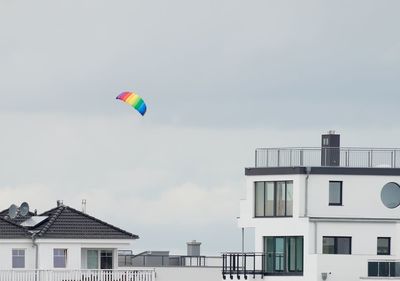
274	199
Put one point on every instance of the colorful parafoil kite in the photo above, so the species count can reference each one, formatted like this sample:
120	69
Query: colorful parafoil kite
134	100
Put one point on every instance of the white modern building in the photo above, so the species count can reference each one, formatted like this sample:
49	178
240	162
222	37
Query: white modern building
327	213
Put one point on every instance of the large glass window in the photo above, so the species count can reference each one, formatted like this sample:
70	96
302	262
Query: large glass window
383	246
336	245
92	259
106	259
335	193
60	258
18	258
283	255
274	199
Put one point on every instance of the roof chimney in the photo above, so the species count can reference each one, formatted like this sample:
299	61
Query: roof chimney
330	149
193	248
59	203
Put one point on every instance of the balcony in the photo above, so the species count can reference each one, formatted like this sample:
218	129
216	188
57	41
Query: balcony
349	157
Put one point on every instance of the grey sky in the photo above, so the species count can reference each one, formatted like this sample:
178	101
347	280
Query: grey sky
219	77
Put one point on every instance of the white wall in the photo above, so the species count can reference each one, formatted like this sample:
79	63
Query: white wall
45	251
6	247
361	196
190	273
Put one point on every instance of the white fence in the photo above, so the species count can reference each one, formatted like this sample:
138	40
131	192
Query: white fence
78	275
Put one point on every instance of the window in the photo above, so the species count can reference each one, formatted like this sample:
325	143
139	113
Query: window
335	193
92	259
18	258
384	269
336	245
106	259
60	258
383	246
283	255
273	199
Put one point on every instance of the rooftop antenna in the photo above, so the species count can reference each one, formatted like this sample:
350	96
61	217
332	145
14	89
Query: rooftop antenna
84	206
24	209
13	211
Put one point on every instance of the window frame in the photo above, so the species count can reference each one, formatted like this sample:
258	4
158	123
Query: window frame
103	254
17	256
65	250
335	245
341	194
286	259
275	189
389	248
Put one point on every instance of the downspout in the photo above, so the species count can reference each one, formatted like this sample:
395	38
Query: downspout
35	245
308	171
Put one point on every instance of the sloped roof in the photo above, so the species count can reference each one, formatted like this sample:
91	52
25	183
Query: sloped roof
67	223
10	230
63	222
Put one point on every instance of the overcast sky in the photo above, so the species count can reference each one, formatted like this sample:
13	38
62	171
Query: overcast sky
220	78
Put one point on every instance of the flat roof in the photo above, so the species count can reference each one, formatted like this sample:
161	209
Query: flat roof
265	171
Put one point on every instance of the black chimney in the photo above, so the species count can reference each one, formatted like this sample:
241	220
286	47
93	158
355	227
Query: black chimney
330	149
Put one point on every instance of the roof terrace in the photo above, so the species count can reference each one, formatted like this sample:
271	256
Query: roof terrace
353	157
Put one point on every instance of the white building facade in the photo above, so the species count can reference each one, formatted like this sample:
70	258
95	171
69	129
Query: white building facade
60	239
321	214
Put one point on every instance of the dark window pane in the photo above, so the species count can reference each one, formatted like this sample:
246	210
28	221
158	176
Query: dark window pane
280	198
372	269
289	198
106	259
279	254
383	269
299	253
328	245
397	269
259	196
269	250
269	199
335	193
343	245
383	246
392	269
292	253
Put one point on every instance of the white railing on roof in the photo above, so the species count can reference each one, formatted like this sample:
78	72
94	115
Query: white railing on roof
355	157
78	275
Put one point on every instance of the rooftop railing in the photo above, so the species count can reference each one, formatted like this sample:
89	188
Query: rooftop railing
328	157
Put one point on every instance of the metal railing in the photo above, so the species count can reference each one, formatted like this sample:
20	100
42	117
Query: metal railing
78	275
246	264
150	260
328	157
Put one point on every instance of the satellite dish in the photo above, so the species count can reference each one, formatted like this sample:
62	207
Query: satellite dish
13	211
390	195
24	209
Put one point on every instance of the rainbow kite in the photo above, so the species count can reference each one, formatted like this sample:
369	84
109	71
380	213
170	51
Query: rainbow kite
134	100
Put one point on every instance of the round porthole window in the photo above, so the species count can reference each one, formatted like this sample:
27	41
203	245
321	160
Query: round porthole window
390	195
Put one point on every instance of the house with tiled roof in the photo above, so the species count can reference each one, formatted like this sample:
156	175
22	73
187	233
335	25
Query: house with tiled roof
60	238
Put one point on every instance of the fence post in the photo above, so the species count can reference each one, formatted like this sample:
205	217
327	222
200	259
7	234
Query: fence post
301	157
